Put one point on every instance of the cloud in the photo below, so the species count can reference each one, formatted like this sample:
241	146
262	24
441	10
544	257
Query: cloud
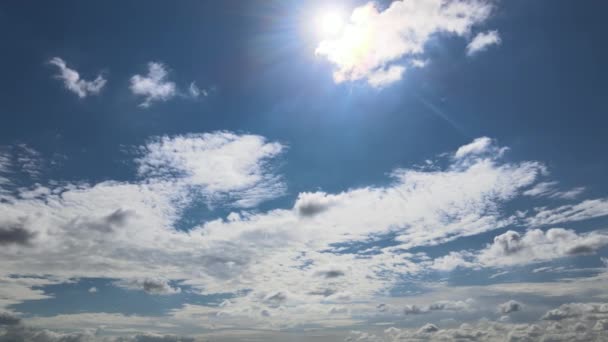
285	267
194	91
509	307
575	310
513	248
550	190
483	146
444	305
93	290
7	318
24	333
154	86
312	203
578	322
584	210
15	233
220	164
374	43
74	83
482	41
150	286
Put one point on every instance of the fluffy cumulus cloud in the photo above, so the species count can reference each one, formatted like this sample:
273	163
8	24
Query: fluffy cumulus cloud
482	41
74	82
513	248
316	263
376	43
154	86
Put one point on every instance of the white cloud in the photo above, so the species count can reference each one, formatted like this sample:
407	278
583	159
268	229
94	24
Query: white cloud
584	210
283	263
221	164
443	305
382	77
194	91
73	82
513	248
154	86
482	41
550	190
373	44
155	286
480	147
93	290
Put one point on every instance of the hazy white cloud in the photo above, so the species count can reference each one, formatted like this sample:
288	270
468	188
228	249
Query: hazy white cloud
74	83
155	86
194	91
550	190
373	44
584	210
382	77
93	290
482	41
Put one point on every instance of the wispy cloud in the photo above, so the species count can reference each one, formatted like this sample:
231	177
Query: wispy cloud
73	81
482	41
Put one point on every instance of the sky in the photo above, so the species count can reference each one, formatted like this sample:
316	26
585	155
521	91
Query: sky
282	170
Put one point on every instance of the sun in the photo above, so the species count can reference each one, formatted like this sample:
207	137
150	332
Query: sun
330	23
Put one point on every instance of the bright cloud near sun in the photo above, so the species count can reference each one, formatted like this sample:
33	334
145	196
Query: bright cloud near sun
375	44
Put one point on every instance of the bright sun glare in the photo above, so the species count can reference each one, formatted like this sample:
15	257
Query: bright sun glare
330	23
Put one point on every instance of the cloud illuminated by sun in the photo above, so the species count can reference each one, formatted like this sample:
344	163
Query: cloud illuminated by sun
377	44
330	22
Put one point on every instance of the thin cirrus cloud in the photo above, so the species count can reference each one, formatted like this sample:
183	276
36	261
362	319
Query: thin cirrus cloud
74	82
374	43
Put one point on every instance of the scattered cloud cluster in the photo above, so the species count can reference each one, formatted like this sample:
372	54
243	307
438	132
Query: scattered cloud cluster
74	83
155	86
303	265
571	322
376	43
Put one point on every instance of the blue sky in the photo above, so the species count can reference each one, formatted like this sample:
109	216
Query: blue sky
303	171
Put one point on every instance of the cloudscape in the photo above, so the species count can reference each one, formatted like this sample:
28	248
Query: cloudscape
323	170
